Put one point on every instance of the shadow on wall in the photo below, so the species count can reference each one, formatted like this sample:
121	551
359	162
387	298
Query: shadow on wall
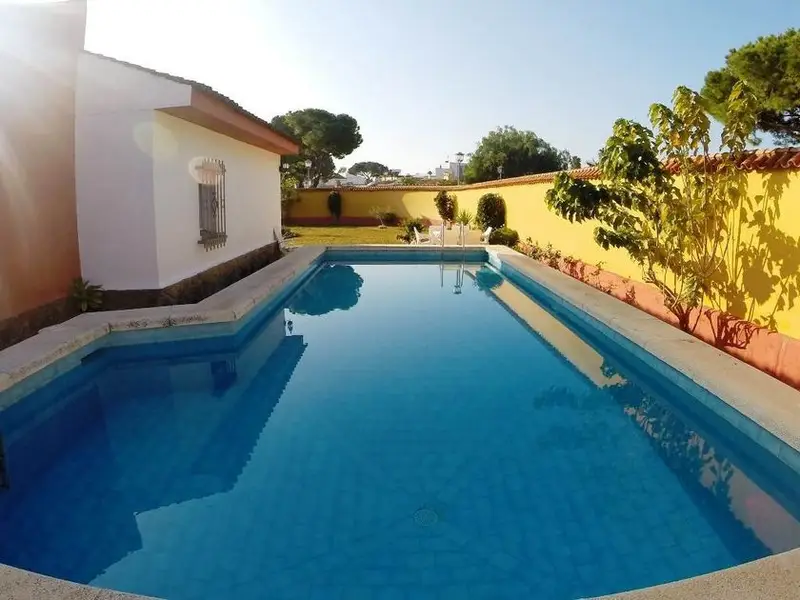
756	280
766	263
311	207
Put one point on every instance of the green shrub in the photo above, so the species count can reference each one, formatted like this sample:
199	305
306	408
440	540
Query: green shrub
491	211
552	256
289	195
532	249
385	217
335	204
87	296
504	236
446	205
407	235
547	254
464	217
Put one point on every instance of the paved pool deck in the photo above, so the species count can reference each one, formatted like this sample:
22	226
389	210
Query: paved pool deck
760	406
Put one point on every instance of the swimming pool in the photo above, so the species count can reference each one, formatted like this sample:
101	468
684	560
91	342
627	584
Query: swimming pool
404	430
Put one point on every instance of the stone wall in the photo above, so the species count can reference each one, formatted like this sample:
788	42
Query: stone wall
188	291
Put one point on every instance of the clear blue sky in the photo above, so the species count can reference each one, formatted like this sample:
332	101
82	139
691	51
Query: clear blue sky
428	78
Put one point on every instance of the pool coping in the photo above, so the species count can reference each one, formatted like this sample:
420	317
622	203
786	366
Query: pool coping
760	406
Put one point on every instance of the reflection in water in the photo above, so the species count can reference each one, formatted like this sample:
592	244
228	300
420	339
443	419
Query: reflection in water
487	279
234	468
734	504
708	475
138	437
726	494
333	287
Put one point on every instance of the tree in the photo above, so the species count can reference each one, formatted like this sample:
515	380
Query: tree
334	287
369	170
518	152
684	216
770	67
323	136
570	161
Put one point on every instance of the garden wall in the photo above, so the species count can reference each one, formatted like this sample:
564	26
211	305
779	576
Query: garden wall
528	214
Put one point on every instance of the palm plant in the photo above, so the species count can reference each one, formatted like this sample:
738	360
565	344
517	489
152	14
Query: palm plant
88	296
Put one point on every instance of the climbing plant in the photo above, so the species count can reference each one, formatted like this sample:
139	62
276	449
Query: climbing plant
685	216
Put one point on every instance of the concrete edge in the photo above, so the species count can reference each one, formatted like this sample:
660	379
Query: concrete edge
230	304
24	585
772	578
763	408
30	356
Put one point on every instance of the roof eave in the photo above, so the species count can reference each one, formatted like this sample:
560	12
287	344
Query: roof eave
208	111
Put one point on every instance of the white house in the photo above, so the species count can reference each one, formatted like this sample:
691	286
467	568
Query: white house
172	178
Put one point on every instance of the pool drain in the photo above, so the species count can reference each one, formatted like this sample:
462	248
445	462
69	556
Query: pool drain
426	517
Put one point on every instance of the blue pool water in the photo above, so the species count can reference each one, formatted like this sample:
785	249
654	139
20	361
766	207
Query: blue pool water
390	431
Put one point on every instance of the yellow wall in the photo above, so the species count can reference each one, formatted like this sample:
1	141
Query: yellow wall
528	214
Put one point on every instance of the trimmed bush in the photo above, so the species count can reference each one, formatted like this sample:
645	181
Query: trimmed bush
491	211
504	236
335	204
446	205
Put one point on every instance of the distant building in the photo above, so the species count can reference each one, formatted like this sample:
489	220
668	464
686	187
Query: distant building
450	170
346	179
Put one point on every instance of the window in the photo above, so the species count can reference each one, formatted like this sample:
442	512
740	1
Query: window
211	193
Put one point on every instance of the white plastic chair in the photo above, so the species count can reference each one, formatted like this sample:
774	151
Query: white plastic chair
486	235
435	234
420	238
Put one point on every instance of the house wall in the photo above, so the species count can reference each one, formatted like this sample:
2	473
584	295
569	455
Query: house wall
39	49
137	198
252	197
116	215
114	170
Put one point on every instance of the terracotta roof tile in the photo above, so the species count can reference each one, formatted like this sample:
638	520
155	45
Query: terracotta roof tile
770	159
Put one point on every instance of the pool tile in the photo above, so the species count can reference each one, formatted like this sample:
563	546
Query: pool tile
316	496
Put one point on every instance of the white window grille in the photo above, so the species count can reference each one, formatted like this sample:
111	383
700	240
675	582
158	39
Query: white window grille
211	193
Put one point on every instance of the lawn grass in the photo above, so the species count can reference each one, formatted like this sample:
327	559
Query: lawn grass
343	235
